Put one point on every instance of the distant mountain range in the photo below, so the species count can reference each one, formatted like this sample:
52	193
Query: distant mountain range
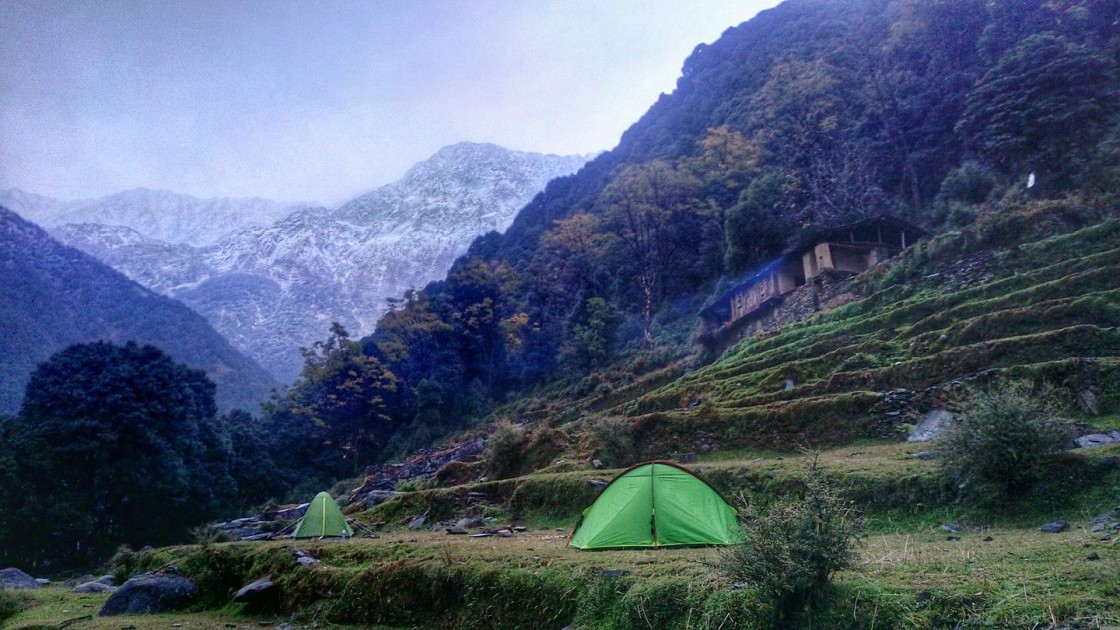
53	296
272	285
157	214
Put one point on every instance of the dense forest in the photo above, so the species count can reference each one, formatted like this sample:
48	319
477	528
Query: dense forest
813	114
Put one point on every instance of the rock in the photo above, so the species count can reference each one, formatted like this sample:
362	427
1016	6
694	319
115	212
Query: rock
925	455
377	497
418	522
254	537
597	464
1054	527
470	522
1096	439
610	574
93	587
151	593
306	560
951	527
42	581
12	579
288	513
1087	400
988	539
597	484
932	426
107	580
518	528
504	533
1093	556
261	593
482	535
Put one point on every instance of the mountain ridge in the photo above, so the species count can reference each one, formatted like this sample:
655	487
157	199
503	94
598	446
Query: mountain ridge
271	289
53	296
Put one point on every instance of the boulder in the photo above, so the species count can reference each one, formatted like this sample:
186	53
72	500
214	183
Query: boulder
1087	400
94	587
1054	527
597	484
932	426
151	593
1097	439
259	595
12	579
377	497
418	522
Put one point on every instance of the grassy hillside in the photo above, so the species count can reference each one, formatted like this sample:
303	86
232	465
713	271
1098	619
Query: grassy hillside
958	310
997	572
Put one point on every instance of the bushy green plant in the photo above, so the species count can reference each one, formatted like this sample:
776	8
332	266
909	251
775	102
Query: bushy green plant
1002	445
515	449
792	548
612	441
10	605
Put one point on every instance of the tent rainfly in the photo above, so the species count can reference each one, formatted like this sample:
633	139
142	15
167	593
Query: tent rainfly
323	519
656	504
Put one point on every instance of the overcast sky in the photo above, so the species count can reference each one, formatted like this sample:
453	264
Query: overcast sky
318	101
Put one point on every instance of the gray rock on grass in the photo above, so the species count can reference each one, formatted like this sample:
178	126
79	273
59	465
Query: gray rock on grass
1054	527
150	594
12	579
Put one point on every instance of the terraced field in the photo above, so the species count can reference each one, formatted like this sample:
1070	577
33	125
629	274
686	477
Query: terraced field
1044	310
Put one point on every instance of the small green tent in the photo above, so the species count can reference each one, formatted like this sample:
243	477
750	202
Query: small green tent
656	504
323	519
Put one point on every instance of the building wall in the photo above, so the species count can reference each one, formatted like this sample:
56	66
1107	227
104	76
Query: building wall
830	288
851	260
822	254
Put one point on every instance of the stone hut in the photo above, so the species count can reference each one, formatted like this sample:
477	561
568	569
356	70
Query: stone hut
818	261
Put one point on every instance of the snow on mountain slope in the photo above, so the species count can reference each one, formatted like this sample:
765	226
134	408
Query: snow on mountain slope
273	289
157	214
52	296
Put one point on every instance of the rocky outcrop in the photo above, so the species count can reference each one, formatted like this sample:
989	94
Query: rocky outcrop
12	579
381	481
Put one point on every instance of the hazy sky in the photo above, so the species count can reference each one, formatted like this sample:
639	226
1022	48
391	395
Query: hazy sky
318	101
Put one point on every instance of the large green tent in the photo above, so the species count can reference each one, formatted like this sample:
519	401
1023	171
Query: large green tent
323	519
656	504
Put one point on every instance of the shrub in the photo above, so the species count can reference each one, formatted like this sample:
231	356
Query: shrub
792	548
10	605
515	450
1002	445
611	441
969	183
504	453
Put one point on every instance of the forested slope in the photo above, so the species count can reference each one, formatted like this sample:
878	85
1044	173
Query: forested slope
813	114
52	296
